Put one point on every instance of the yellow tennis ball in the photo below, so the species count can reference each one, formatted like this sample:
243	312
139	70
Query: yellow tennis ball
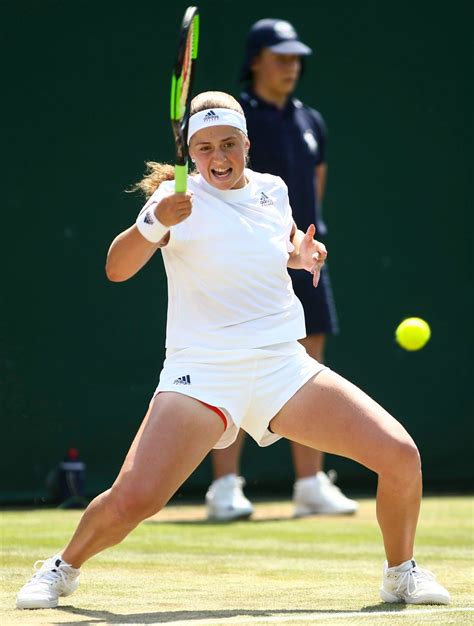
413	333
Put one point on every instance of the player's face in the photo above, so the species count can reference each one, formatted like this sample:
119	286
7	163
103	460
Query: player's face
219	154
276	74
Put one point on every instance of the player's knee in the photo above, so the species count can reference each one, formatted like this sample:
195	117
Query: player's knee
409	457
403	463
132	504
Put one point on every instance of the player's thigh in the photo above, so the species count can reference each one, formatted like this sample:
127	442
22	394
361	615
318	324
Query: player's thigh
331	414
174	437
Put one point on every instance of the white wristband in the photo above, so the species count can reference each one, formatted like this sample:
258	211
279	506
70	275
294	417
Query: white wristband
150	227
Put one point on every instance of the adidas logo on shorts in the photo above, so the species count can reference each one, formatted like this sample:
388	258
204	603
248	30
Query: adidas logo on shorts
183	380
211	116
265	200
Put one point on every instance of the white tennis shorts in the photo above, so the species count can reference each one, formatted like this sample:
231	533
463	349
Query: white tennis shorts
249	386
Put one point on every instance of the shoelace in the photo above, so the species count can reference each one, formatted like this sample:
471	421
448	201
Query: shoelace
414	577
49	572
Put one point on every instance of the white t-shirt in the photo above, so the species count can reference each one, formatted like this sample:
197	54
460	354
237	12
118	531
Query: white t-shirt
228	284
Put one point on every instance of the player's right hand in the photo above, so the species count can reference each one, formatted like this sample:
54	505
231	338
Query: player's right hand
174	208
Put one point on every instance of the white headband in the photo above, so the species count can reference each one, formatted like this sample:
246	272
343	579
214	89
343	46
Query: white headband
216	117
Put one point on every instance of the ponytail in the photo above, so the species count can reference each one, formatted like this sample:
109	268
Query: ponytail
155	174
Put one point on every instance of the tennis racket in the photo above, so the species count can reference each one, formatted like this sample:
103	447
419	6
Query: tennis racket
181	91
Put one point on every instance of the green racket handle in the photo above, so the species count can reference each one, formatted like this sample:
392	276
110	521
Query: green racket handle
180	178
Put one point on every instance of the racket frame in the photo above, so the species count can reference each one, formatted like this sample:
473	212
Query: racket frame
179	109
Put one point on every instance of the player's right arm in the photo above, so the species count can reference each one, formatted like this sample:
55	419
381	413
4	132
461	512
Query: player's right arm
130	250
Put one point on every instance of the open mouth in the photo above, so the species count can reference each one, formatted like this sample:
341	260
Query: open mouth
221	174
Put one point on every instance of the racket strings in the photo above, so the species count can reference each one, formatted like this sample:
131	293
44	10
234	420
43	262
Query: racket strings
186	73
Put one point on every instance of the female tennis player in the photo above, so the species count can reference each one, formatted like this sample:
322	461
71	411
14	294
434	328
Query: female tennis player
233	359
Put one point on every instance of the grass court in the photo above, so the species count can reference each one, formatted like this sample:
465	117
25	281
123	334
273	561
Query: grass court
178	569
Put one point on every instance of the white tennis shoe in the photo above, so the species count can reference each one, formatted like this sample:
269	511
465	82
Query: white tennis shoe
226	501
318	495
53	578
411	584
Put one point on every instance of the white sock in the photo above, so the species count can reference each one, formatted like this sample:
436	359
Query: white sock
403	567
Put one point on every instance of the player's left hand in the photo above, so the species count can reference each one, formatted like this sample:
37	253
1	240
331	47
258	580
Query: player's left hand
313	254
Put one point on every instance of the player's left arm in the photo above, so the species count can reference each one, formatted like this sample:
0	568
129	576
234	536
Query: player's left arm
308	254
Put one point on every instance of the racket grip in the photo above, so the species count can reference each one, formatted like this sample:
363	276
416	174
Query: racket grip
180	178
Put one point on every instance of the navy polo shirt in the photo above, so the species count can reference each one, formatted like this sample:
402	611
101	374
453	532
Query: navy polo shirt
290	143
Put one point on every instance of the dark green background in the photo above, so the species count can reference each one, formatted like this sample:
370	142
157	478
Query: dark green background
85	103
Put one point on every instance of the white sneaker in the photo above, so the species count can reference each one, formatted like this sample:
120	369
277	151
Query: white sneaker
226	501
411	584
319	495
53	579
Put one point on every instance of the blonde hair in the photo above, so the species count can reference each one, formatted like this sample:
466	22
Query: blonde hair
214	100
156	173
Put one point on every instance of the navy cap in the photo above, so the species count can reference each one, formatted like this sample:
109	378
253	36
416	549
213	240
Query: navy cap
276	35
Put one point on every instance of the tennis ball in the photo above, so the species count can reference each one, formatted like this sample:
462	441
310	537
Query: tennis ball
413	333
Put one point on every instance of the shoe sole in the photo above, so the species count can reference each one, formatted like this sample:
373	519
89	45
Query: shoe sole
36	604
389	597
304	512
229	518
433	599
46	604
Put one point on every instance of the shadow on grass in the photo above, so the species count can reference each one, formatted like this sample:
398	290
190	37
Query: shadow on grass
163	617
250	521
209	522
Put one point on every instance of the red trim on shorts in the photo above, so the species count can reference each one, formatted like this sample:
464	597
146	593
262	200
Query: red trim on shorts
213	408
218	411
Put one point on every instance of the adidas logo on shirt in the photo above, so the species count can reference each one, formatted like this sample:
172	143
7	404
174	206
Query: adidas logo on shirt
265	200
211	116
183	380
148	219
